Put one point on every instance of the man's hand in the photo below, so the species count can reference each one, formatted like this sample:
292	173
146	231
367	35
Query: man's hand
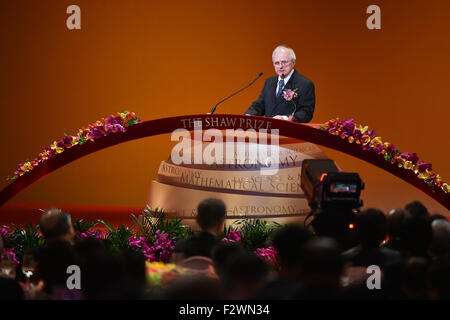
281	117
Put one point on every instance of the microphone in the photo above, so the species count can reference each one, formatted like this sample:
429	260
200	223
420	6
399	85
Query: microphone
214	108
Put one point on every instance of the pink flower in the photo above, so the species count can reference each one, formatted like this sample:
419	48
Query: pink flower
410	157
96	234
115	128
233	236
9	254
137	243
4	233
269	254
161	249
423	166
289	94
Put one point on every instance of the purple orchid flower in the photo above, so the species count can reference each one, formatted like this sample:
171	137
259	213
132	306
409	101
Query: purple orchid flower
349	126
233	236
97	132
5	233
422	166
391	148
378	148
410	157
115	128
113	121
50	152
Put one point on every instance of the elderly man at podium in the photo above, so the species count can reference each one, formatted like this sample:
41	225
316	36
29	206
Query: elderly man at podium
288	96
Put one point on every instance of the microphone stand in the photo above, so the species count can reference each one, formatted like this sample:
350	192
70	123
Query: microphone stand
214	108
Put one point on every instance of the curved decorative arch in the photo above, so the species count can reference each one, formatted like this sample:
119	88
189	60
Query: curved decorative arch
307	132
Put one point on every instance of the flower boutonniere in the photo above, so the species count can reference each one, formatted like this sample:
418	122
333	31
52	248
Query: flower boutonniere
290	95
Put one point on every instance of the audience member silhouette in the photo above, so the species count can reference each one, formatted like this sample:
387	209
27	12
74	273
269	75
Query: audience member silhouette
394	222
244	276
54	258
417	209
370	226
55	224
440	245
194	287
321	269
416	236
210	218
105	274
414	278
288	242
222	253
438	278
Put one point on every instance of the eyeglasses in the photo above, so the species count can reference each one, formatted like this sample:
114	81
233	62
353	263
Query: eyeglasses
284	63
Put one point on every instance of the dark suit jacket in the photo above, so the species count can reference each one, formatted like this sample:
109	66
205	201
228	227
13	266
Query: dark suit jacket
268	105
200	244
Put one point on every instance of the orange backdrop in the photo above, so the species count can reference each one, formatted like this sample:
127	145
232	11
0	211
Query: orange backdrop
162	59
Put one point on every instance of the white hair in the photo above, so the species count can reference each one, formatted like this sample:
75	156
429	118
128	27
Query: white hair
291	52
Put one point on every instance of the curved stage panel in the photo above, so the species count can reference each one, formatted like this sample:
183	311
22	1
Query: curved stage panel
238	181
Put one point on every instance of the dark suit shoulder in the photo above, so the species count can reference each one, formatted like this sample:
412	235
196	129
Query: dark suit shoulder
301	79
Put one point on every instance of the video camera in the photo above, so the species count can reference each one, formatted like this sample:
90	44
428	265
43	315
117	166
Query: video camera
334	199
325	186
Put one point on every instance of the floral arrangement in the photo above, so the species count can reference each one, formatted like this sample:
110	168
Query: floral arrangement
368	140
269	254
96	234
159	274
160	250
101	128
7	251
233	236
154	235
290	95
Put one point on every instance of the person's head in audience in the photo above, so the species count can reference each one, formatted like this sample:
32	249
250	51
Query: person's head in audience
194	287
417	209
244	276
440	244
288	242
322	266
416	236
211	215
222	253
55	224
394	222
437	216
370	226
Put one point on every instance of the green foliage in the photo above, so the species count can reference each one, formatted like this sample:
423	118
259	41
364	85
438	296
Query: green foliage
153	220
226	231
25	239
81	225
256	233
117	239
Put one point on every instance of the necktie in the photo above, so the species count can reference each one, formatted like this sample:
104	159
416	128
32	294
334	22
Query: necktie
280	88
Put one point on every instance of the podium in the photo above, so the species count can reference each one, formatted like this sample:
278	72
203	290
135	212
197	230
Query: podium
239	179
